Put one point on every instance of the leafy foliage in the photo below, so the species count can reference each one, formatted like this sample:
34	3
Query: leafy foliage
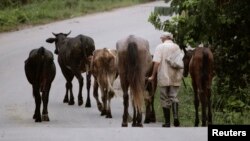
224	26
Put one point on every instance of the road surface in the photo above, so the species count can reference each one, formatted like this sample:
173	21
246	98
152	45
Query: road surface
74	122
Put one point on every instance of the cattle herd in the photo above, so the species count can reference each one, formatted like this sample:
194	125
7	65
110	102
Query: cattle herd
131	61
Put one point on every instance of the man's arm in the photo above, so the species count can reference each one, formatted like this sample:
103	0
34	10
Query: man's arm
155	69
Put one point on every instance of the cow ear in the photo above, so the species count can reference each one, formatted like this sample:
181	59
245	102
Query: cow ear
51	40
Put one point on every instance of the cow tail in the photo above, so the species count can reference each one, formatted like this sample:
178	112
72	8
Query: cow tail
205	67
134	75
40	64
84	45
41	51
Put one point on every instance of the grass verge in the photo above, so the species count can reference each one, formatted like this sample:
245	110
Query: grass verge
187	112
45	11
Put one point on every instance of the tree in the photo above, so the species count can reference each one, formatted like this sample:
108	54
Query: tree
223	25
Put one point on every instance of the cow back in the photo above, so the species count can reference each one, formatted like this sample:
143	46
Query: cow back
39	66
104	62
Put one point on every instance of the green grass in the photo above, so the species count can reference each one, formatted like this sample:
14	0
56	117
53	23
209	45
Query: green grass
187	112
40	12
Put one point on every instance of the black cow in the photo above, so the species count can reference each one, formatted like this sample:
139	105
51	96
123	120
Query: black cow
74	58
40	71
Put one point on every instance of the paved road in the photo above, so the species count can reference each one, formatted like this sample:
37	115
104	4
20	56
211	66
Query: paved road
74	122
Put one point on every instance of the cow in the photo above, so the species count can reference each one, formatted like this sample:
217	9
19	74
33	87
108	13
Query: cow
105	71
199	63
150	88
40	71
74	58
134	61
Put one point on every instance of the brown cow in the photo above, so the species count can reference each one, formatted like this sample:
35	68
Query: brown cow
134	61
199	63
104	70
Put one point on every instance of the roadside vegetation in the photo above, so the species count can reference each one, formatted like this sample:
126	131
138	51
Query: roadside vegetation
16	14
187	111
223	25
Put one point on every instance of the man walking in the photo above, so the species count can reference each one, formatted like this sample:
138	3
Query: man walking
168	77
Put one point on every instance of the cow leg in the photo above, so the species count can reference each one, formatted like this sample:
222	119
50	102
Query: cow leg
45	98
209	107
147	115
69	89
109	115
152	114
66	98
203	107
80	81
95	93
196	105
125	102
69	77
111	93
104	101
125	112
154	85
36	94
110	96
149	103
88	79
134	116
139	118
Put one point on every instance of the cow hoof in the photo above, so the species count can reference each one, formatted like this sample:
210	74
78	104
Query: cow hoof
134	125
196	124
65	100
34	116
38	119
45	117
88	105
108	116
103	113
80	102
209	123
139	125
153	120
99	106
147	121
124	125
71	103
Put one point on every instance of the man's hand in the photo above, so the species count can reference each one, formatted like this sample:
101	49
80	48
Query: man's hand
151	78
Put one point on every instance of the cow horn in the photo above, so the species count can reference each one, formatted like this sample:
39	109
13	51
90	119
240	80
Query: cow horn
68	33
54	33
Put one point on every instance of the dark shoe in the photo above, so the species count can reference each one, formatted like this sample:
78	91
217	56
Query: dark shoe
175	114
166	112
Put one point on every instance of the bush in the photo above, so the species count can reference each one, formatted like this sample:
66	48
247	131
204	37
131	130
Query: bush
224	25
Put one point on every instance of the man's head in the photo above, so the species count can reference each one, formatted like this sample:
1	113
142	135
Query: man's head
166	36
